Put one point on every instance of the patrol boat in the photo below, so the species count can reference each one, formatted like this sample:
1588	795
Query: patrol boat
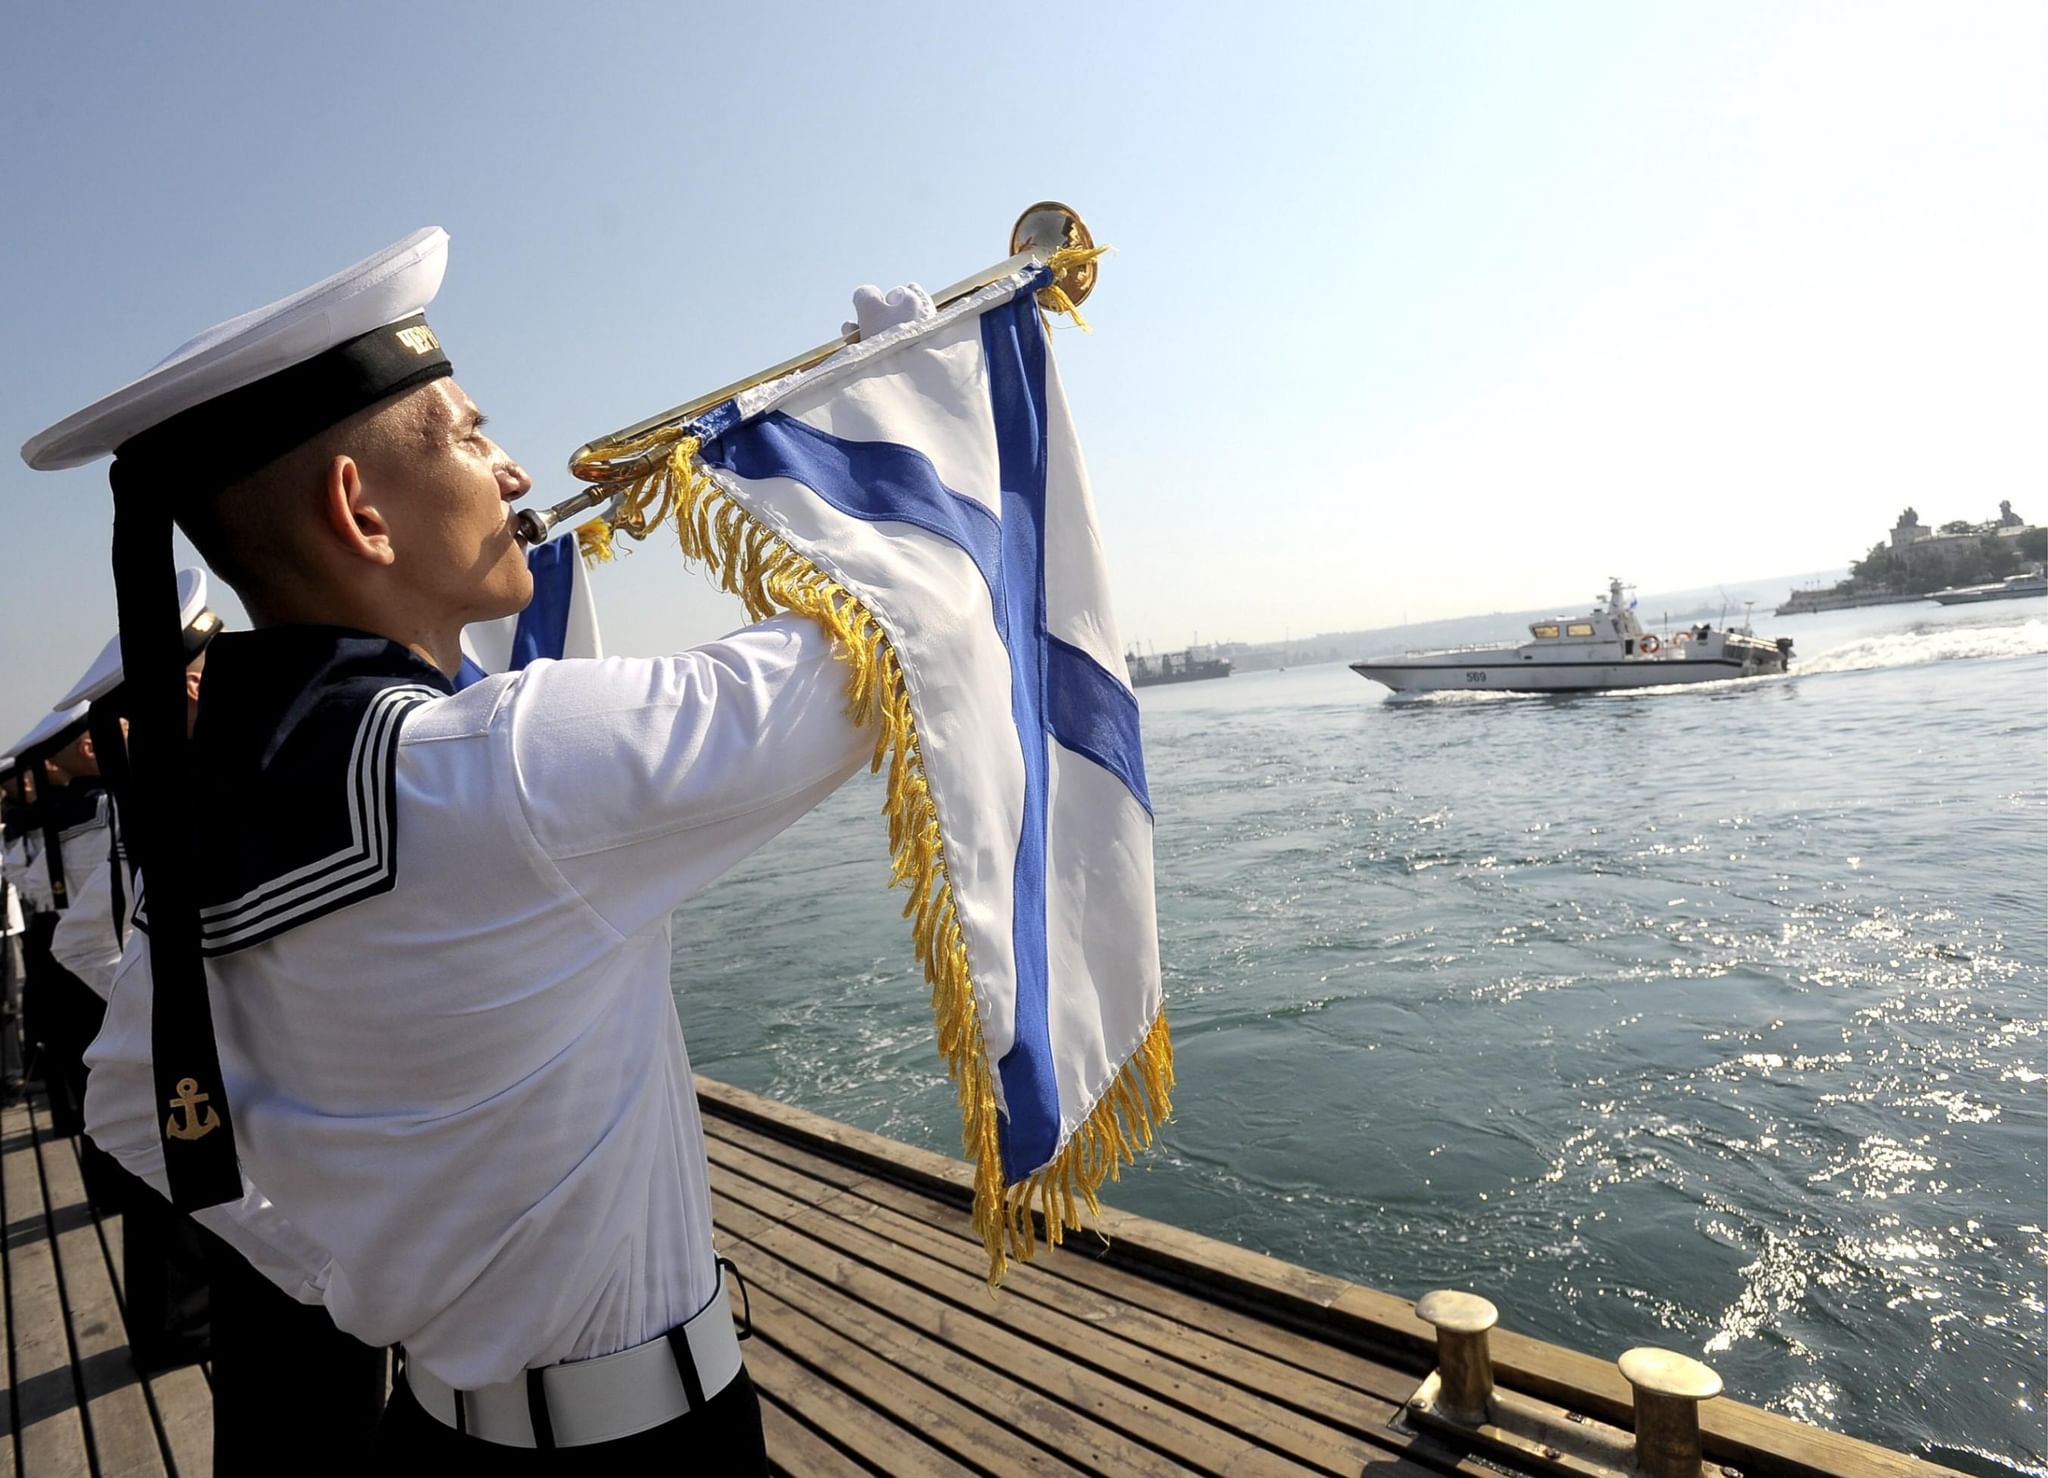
1606	650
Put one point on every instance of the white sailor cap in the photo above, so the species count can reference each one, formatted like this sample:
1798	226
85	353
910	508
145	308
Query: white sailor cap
303	340
52	731
200	624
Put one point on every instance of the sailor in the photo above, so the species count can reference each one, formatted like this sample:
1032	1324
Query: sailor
12	925
68	835
94	929
403	1031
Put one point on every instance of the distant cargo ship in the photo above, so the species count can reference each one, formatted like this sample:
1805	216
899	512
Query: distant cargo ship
1173	667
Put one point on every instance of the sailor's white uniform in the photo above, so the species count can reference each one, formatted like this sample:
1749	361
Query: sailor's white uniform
10	899
89	939
22	886
467	1098
83	844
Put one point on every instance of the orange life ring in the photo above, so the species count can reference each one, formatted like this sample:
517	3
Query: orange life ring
1683	636
1651	646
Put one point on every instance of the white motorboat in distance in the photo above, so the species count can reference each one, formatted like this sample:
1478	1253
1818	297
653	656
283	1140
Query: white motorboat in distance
1606	650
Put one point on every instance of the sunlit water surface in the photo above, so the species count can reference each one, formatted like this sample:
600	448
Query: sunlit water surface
1705	1017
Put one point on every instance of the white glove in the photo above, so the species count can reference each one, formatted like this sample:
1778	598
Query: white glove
875	311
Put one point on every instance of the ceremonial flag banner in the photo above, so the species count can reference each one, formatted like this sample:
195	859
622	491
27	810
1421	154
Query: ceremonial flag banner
921	494
560	620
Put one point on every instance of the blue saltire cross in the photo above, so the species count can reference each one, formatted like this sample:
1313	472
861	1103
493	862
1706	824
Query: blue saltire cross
1056	689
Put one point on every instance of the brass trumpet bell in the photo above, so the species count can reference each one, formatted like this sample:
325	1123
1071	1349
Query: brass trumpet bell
1049	227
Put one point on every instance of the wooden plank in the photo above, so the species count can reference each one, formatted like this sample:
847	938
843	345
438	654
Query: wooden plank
1311	1375
1304	1415
858	1428
1093	1446
950	1425
795	1451
1076	1437
782	1258
51	1431
1152	1400
117	1412
1758	1442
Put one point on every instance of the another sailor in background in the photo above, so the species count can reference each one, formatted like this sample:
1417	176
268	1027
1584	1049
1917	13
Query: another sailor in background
433	927
94	929
60	1014
12	925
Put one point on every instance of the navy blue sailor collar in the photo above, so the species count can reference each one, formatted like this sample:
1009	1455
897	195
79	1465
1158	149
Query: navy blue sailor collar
293	762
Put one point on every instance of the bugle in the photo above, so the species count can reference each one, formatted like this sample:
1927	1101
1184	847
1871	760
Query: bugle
1041	231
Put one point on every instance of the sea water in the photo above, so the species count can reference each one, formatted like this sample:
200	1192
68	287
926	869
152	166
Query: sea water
1706	1017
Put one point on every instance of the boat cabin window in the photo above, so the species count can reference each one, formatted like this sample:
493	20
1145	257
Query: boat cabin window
1579	628
1544	632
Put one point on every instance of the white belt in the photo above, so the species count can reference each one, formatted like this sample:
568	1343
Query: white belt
599	1400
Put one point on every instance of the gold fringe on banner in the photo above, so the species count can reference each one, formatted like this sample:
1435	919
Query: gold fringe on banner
748	558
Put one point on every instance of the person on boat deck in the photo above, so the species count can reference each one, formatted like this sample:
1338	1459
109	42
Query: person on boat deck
431	927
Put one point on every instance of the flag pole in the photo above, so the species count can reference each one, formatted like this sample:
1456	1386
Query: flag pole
1043	229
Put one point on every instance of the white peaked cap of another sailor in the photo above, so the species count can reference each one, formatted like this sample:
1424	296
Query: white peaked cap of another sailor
395	284
105	673
51	724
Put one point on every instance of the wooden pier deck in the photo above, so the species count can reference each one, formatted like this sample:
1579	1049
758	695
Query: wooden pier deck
878	1349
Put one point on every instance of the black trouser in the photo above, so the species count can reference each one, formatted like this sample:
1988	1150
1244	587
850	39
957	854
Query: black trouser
291	1393
722	1437
61	1012
164	1281
13	969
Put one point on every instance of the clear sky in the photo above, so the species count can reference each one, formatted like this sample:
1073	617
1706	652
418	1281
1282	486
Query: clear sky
1418	309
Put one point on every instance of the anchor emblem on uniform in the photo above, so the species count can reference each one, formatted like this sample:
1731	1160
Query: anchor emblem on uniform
199	1122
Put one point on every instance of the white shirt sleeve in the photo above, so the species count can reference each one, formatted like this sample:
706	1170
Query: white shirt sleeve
645	779
121	1115
87	941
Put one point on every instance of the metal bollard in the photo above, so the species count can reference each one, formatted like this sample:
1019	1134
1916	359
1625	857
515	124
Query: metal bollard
1669	1388
1464	1363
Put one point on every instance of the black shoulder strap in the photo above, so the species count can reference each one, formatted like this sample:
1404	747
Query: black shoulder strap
197	1130
110	748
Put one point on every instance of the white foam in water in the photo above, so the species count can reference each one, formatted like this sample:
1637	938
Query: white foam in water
1946	643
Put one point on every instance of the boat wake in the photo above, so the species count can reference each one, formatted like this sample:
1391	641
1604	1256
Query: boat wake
1447	697
1931	643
